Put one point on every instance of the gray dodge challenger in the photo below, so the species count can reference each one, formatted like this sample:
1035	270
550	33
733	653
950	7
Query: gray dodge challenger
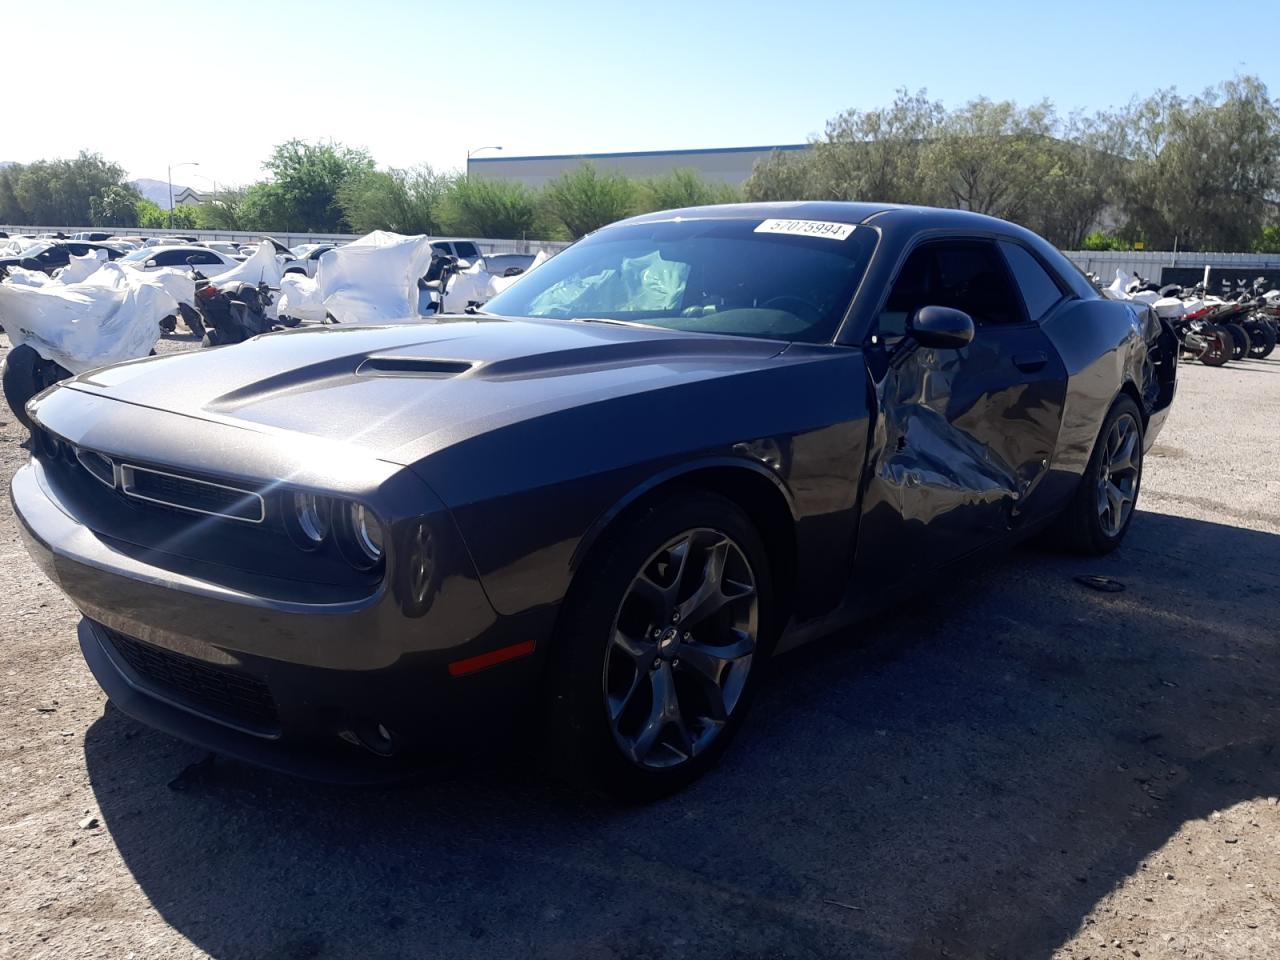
595	506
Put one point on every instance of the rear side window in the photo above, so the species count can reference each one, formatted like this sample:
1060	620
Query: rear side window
1039	290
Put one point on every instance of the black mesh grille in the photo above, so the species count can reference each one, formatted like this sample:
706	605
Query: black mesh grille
219	690
191	494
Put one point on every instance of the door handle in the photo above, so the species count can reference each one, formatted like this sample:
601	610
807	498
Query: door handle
1030	361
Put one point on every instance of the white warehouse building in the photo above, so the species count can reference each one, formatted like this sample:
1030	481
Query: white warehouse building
723	164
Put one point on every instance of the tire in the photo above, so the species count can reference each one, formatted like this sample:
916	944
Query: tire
1239	341
1085	527
1262	340
210	338
627	712
169	324
1218	346
25	374
191	317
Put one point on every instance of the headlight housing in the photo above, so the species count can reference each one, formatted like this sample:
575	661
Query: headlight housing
308	519
313	521
359	535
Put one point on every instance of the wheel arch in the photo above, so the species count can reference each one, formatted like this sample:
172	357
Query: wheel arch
758	492
1130	389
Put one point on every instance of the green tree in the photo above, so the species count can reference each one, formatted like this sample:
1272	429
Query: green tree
784	175
682	188
1203	171
11	211
405	201
1269	240
586	199
265	207
989	157
150	214
489	208
115	207
59	193
308	177
226	211
877	154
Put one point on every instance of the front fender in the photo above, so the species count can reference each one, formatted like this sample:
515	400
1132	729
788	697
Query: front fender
530	498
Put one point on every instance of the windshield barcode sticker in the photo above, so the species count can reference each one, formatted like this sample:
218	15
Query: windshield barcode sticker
807	228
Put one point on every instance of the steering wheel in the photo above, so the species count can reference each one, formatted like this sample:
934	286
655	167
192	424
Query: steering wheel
808	311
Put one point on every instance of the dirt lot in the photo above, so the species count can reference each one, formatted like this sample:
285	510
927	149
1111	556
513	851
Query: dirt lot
1023	768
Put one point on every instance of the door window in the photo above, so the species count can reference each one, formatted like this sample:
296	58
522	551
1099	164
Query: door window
967	275
1040	291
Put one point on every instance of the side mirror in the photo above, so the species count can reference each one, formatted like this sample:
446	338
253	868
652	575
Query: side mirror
30	263
943	328
150	263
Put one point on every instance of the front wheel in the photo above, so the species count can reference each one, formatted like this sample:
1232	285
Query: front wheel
1098	517
25	374
660	646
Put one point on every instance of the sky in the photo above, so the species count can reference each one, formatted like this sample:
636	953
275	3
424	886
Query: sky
149	84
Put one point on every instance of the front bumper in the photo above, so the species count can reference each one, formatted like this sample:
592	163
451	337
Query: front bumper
342	691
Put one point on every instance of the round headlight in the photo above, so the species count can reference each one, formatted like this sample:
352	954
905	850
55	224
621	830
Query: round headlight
366	532
312	514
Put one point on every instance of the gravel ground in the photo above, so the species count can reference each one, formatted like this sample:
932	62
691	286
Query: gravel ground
1023	768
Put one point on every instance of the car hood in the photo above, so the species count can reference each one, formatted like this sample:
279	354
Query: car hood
402	391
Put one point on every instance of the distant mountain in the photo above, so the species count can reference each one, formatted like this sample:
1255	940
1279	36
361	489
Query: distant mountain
157	191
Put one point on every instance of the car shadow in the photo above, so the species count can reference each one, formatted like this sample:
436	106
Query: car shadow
965	776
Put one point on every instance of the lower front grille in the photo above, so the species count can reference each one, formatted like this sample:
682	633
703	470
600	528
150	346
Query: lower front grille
221	692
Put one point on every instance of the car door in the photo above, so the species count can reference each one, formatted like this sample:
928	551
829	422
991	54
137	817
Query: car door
963	437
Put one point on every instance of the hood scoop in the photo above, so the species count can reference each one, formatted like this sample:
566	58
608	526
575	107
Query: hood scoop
410	366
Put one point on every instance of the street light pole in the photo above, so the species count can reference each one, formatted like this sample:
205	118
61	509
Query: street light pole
185	163
472	153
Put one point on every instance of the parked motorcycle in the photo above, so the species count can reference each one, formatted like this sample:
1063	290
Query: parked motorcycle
232	314
435	283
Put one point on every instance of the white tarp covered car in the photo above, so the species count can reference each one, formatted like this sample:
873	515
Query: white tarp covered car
113	314
370	280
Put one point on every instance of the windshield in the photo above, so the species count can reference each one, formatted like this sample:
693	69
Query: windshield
139	255
34	249
706	276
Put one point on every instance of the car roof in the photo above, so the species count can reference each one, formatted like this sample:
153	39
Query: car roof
164	247
837	211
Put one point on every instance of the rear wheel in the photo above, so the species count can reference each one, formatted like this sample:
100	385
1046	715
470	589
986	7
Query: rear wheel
1218	347
661	645
1098	517
1262	339
1239	341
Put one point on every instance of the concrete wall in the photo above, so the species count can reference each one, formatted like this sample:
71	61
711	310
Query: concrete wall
288	239
728	165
